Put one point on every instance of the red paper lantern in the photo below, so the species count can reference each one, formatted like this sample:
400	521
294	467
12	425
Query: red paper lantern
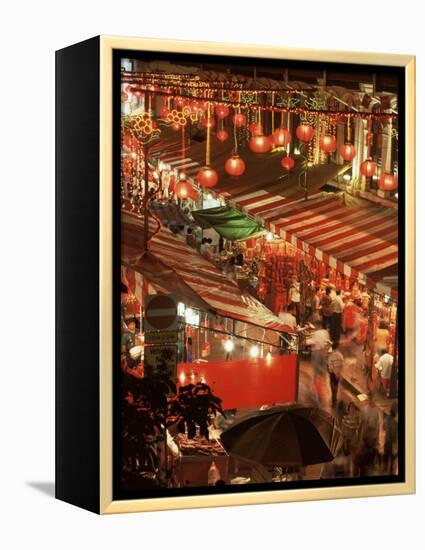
222	135
327	143
347	151
305	132
368	168
281	137
387	182
239	120
260	144
208	122
288	163
256	128
207	177
235	166
175	127
222	111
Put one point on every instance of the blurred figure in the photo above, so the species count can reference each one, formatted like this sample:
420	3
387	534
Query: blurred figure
370	421
337	306
319	342
326	307
351	426
287	317
340	467
335	367
391	440
294	296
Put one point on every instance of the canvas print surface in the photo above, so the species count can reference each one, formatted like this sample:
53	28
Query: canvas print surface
257	329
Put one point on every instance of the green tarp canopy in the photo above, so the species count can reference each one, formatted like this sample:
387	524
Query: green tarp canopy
228	222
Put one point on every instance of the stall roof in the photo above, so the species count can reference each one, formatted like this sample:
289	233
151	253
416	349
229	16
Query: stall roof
228	222
219	293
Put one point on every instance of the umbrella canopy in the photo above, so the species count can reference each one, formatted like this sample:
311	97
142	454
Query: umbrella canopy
228	222
284	436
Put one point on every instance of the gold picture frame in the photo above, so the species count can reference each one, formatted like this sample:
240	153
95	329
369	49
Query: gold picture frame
107	45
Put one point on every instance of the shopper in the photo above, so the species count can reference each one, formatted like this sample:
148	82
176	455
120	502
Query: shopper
319	342
128	341
391	440
335	367
337	306
295	297
384	366
326	305
370	422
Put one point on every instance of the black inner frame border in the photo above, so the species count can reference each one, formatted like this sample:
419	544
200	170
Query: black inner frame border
117	492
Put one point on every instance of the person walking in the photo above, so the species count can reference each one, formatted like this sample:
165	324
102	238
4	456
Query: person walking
370	422
319	342
326	305
391	440
335	367
384	366
337	307
294	296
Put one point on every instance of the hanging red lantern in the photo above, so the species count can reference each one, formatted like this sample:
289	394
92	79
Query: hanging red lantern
281	137
239	120
256	128
327	143
175	127
222	135
368	168
347	152
288	163
260	144
305	132
207	177
387	182
208	122
235	166
222	111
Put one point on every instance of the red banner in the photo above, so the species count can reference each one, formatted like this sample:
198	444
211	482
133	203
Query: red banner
246	383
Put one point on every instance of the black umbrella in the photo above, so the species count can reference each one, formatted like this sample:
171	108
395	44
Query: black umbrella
284	436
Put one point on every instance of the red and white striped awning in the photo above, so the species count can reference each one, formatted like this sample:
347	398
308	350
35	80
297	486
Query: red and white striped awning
357	242
222	294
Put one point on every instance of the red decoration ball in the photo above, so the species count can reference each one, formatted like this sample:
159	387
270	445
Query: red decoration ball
327	143
222	135
368	168
194	106
305	132
222	111
207	177
256	128
288	163
175	127
260	144
208	122
387	182
239	120
347	152
281	137
235	166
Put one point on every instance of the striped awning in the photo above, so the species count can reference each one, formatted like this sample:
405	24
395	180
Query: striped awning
220	293
357	240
